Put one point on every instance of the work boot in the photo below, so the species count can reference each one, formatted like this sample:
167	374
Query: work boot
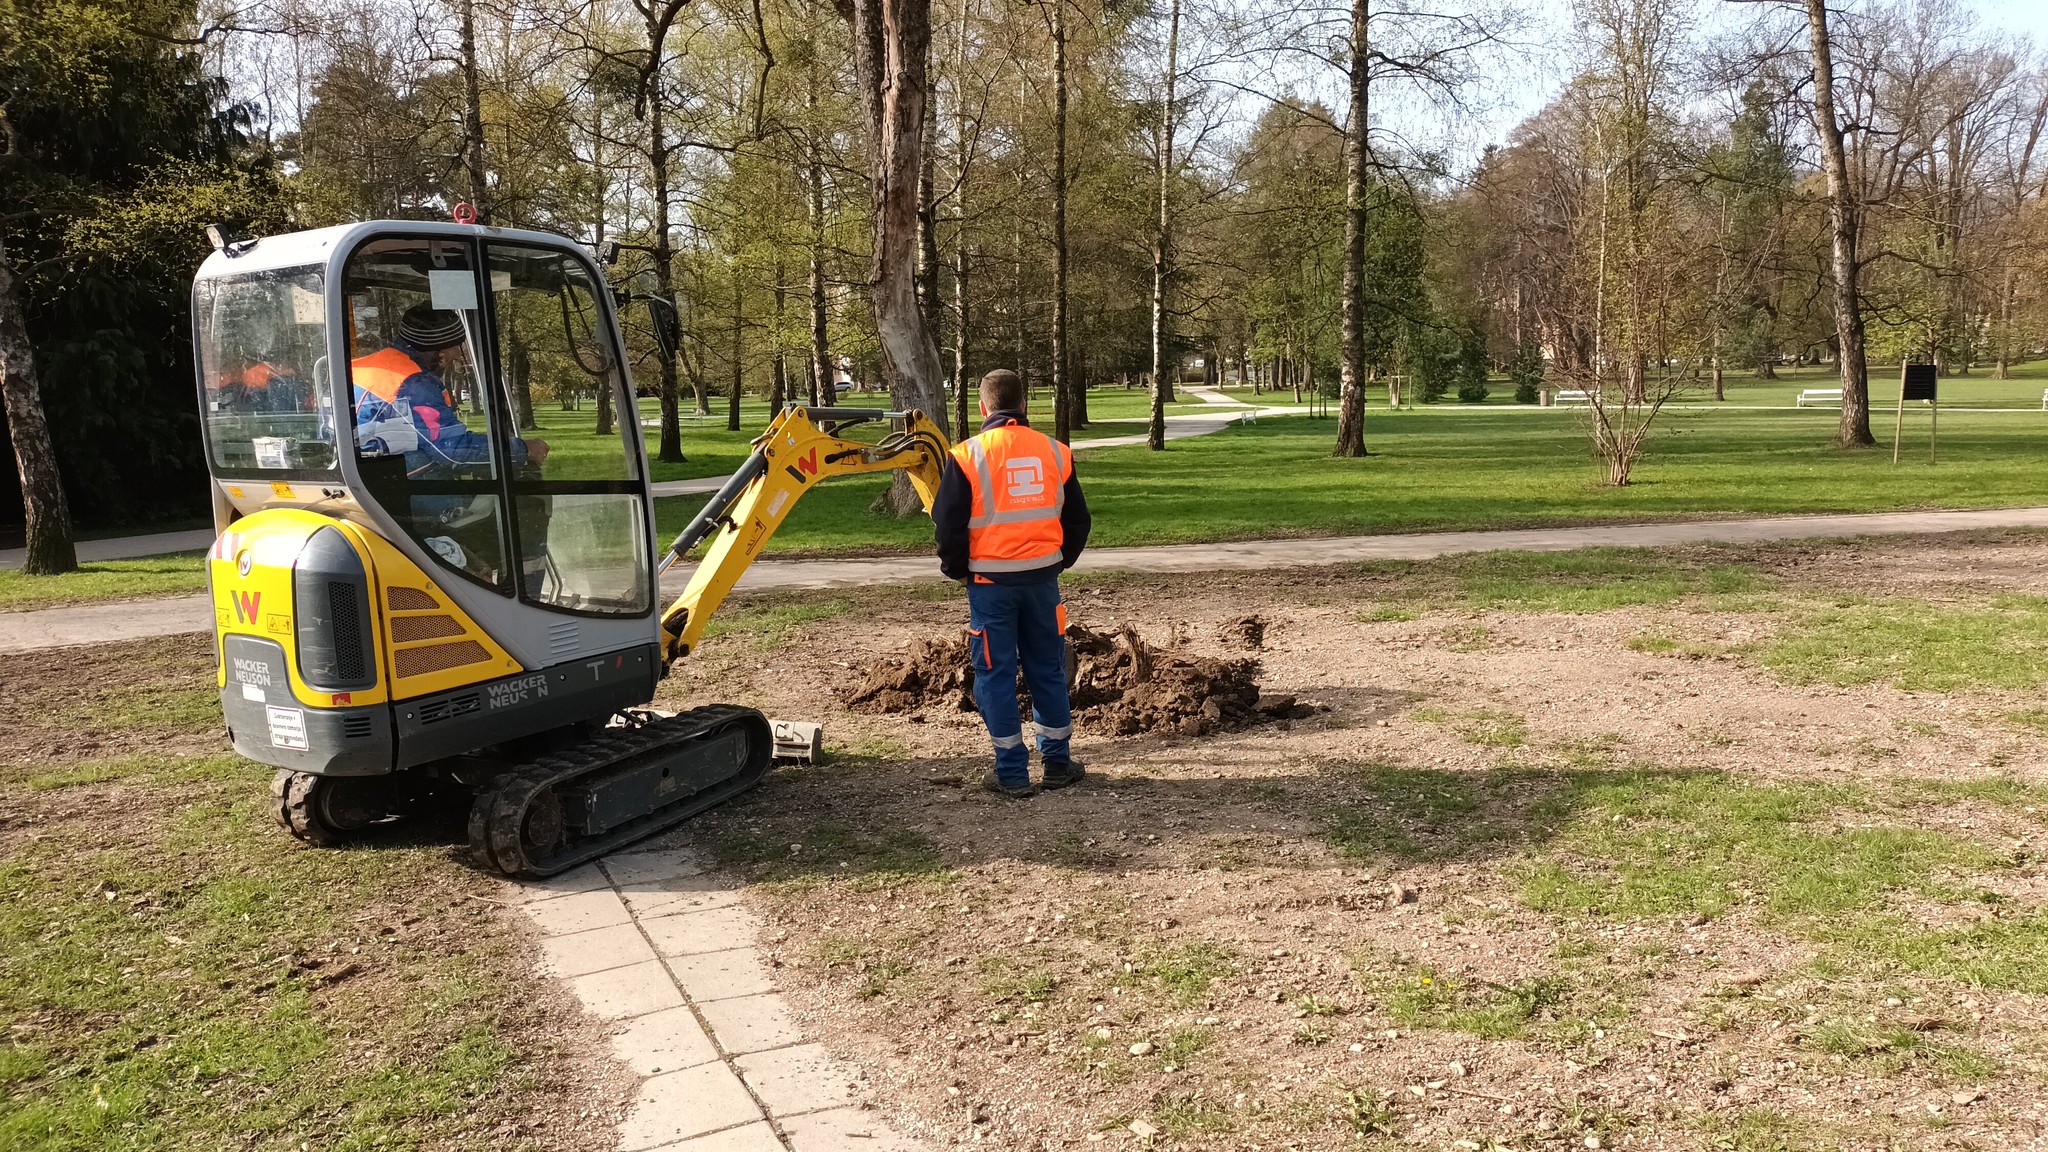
1060	773
995	784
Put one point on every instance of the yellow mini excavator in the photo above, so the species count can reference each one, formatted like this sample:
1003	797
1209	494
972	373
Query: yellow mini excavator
413	594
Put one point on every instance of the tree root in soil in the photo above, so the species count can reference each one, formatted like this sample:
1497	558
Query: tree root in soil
1122	686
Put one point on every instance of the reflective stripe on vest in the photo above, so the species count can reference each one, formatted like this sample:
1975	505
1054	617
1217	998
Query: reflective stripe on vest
381	373
1019	477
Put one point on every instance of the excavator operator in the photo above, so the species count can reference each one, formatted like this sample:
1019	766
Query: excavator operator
407	378
1010	518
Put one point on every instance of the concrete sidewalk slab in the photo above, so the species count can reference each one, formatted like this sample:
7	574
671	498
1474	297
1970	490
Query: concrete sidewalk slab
712	976
752	1138
578	912
711	930
623	993
843	1130
677	1105
751	1024
723	1066
665	1041
598	950
793	1081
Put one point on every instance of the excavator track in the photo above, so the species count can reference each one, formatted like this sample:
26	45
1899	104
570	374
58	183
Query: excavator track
554	813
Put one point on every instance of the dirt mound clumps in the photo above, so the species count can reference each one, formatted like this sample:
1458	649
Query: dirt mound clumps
1122	686
1247	632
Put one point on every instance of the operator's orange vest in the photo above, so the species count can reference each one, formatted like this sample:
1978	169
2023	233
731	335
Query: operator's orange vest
381	373
1019	476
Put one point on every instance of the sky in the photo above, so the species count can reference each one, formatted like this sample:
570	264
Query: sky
1538	66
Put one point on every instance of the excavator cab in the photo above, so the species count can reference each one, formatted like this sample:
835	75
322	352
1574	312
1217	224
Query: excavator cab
414	589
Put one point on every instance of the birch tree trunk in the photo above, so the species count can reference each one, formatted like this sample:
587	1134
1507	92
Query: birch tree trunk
823	391
1351	402
1844	219
50	551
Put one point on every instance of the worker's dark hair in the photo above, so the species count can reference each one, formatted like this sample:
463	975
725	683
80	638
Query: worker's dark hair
1002	391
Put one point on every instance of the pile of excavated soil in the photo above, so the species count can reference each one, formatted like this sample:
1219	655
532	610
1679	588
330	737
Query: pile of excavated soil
1122	686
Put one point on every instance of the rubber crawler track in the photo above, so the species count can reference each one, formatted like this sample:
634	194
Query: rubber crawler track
499	815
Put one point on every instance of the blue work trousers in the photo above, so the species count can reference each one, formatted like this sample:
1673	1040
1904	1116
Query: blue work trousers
1008	623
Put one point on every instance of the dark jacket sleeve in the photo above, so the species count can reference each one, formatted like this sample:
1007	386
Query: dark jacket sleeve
1075	522
950	513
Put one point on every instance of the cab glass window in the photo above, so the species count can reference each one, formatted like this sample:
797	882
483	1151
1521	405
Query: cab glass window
581	520
263	372
421	417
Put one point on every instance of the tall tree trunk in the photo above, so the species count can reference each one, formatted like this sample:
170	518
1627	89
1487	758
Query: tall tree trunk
778	386
605	427
891	39
739	349
823	391
963	160
1844	219
1351	403
928	231
1062	384
35	458
658	157
473	119
1165	365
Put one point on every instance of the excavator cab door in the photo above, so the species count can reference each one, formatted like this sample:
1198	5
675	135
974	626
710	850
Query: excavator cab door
452	343
390	373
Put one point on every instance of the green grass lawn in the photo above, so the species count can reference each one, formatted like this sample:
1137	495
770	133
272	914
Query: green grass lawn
177	973
1442	469
712	450
1743	389
103	580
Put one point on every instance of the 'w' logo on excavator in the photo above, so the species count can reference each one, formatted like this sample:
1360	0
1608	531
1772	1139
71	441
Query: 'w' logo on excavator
245	605
806	467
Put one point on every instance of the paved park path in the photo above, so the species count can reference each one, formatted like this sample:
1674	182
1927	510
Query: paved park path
667	957
100	623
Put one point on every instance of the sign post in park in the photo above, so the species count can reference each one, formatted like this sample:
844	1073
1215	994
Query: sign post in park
1916	382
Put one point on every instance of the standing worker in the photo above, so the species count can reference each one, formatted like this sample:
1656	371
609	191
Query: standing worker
1010	518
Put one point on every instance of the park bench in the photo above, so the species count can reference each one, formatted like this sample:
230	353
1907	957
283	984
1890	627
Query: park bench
1820	397
1565	396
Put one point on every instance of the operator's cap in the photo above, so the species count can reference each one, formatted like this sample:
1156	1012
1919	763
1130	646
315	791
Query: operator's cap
430	329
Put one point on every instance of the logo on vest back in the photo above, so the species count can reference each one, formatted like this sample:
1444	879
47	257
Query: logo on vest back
1025	476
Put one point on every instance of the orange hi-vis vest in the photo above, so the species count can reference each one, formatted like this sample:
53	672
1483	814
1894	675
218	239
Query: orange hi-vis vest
381	373
1019	476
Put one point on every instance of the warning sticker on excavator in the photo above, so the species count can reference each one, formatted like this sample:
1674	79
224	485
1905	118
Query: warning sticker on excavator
287	727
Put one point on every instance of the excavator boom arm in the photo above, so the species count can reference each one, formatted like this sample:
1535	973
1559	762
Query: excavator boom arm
801	447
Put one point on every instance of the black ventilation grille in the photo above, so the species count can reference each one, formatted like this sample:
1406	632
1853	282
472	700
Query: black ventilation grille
448	707
355	727
347	623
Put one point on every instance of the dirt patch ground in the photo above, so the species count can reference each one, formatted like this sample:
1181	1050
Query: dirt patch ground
1534	879
1122	684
